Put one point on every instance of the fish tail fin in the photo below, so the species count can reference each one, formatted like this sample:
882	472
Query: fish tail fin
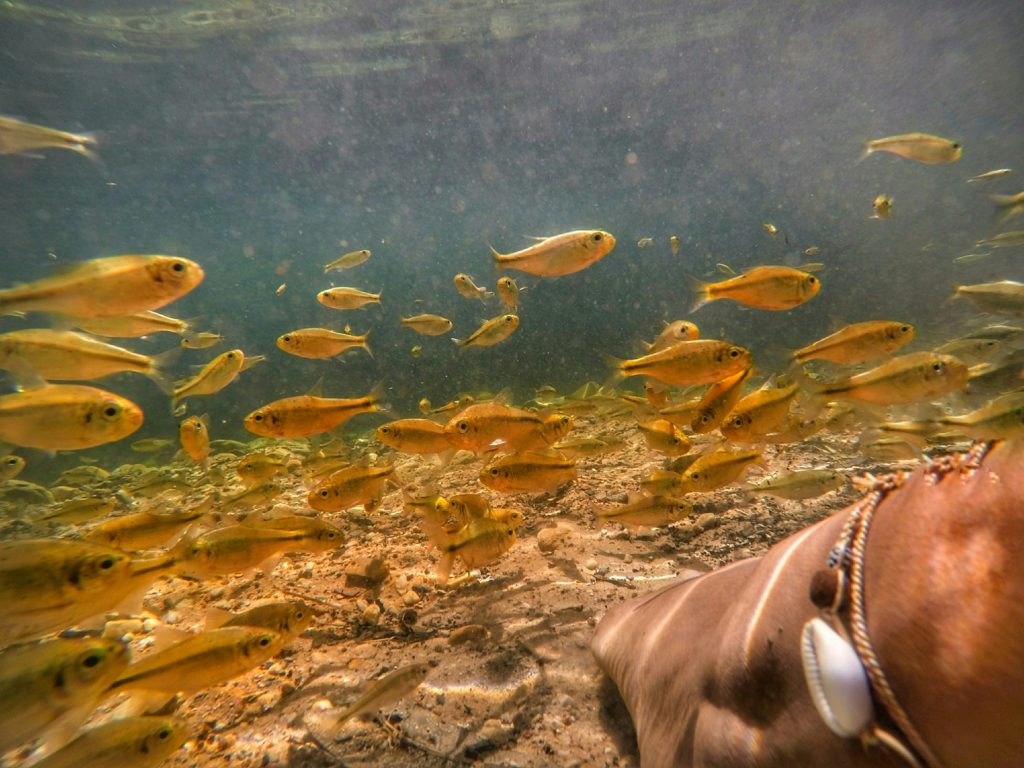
868	150
615	365
814	394
366	344
487	295
87	150
458	342
498	257
158	371
700	293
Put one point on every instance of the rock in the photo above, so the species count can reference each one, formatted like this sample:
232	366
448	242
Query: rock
707	521
548	539
366	573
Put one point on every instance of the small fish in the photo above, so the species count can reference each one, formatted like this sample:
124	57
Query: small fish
882	206
905	379
714	470
348	487
289	618
110	286
130	326
764	287
989	175
142	530
307	415
380	693
320	343
239	548
66	417
51	584
805	484
673	243
720	398
677	330
10	467
346	298
1005	297
428	325
200	661
201	340
253	495
970	258
758	413
83	474
858	343
700	361
812	251
17	137
889	449
257	467
645	242
482	542
1014	205
349	260
195	438
664	436
1001	419
920	147
70	356
141	742
528	472
586	447
468	289
770	228
152	487
646	512
559	255
1004	240
492	332
75	511
971	351
60	678
152	445
508	292
281	289
214	376
421	436
482	425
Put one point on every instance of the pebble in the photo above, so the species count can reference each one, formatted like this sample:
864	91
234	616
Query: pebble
591	564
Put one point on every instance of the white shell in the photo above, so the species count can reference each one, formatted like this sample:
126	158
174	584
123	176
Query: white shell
836	679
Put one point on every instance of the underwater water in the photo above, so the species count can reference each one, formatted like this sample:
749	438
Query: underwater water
263	140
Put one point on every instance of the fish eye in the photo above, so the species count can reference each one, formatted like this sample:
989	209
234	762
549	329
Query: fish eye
163	734
734	353
92	660
956	145
257	417
111	411
264	641
385	430
904	329
106	563
596	237
695	475
508	318
937	367
286	337
324	493
178	266
463	426
12	461
812	279
495	472
230	356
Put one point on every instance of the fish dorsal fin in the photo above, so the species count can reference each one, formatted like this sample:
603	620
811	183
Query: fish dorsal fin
165	636
725	269
537	239
317	390
217	617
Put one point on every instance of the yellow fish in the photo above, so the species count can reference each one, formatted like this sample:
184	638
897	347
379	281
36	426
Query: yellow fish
200	340
664	436
482	425
713	470
493	331
289	618
882	206
239	548
306	415
320	343
672	333
528	472
481	542
115	285
256	467
58	678
195	438
66	417
200	661
508	292
906	379
75	511
143	530
10	467
349	260
17	137
920	147
357	484
720	398
701	361
380	693
468	289
214	376
1005	297
414	436
559	255
805	484
646	511
858	343
346	298
428	325
141	742
758	413
1001	419
764	287
257	493
586	447
131	326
